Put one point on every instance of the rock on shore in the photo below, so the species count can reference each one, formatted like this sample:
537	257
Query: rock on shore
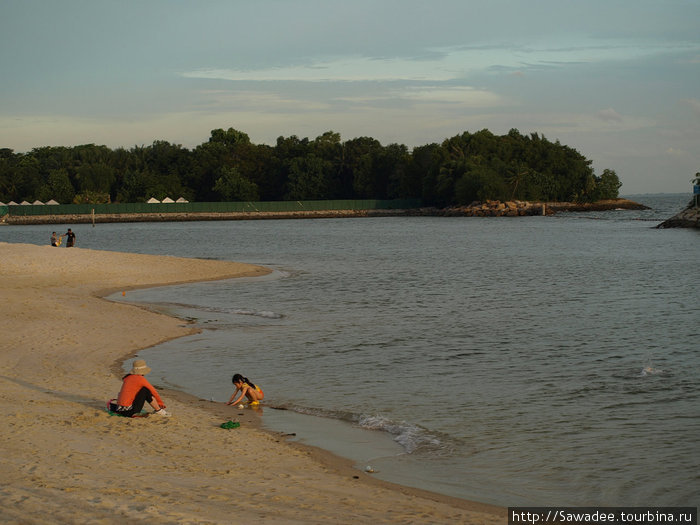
688	218
524	208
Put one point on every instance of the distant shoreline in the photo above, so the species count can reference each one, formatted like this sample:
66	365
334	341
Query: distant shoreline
476	209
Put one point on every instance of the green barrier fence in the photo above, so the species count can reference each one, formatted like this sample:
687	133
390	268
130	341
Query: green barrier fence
209	207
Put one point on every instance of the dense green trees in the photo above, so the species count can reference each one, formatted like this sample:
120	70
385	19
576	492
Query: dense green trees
229	167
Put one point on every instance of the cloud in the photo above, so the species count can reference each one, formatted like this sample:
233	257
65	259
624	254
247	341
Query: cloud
694	105
335	69
255	100
692	60
676	152
436	64
456	96
609	115
438	100
563	125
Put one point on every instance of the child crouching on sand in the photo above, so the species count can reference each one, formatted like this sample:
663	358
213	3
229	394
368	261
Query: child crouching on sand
136	391
247	389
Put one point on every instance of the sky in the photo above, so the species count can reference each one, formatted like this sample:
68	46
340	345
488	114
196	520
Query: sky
617	80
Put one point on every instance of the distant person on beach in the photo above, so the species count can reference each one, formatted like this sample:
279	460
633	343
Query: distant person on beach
136	391
54	239
247	389
71	238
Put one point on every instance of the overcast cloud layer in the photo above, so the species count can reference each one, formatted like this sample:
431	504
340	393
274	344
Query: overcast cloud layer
619	80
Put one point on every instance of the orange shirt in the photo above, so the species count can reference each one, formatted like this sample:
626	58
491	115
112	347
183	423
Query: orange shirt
131	386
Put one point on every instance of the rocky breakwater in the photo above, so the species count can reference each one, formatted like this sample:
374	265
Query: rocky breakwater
524	208
688	218
497	209
489	208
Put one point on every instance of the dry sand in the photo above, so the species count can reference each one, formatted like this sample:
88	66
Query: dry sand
66	460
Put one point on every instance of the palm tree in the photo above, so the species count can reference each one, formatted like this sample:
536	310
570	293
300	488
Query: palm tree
518	172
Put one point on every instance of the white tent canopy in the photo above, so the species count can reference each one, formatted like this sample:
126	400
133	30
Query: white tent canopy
152	200
182	199
168	200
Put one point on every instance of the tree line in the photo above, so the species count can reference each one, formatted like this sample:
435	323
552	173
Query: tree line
229	167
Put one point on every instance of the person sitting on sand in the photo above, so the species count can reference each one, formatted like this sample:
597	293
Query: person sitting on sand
135	391
247	389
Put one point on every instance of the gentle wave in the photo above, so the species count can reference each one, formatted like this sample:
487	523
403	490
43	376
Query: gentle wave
411	437
266	314
239	311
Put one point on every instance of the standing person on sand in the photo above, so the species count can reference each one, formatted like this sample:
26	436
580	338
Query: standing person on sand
71	238
136	390
54	239
247	389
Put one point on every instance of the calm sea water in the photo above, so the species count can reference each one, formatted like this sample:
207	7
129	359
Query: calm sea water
537	360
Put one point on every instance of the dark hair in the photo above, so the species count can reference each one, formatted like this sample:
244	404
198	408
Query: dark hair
238	378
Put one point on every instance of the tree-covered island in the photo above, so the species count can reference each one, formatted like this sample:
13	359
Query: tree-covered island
229	167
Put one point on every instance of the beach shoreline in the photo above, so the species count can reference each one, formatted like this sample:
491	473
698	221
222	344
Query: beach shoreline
66	457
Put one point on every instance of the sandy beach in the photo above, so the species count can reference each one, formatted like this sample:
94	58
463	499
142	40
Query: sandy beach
66	460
